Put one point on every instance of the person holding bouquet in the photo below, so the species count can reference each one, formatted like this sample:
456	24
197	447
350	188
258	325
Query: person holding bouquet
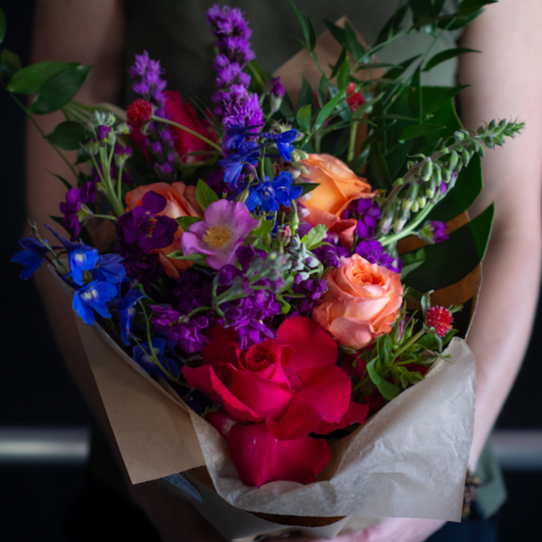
505	80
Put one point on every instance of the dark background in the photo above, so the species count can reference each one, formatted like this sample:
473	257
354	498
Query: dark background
37	391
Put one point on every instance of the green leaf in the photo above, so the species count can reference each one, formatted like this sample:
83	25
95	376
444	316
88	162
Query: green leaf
447	55
197	258
205	195
312	35
264	229
10	63
468	7
392	26
307	187
461	197
82	156
59	90
62	180
67	135
389	391
352	43
419	130
343	76
446	95
186	221
421	10
268	167
338	64
306	95
452	260
328	109
411	261
2	25
304	118
384	347
301	18
30	79
336	31
315	236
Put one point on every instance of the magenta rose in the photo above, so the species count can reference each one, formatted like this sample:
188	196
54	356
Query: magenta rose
279	391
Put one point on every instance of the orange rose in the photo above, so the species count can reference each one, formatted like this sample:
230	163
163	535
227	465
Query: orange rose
181	201
338	186
361	303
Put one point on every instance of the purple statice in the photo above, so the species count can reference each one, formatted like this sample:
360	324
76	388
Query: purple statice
74	208
140	231
270	194
148	83
312	289
368	212
373	252
32	256
182	331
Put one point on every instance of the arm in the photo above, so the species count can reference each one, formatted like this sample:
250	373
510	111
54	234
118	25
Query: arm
506	83
90	32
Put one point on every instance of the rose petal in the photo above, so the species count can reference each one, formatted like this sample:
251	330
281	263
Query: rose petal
260	458
356	413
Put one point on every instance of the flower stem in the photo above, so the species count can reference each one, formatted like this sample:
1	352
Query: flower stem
352	142
195	134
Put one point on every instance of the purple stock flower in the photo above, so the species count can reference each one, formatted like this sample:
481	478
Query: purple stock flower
71	208
369	212
438	230
373	252
143	227
312	289
223	230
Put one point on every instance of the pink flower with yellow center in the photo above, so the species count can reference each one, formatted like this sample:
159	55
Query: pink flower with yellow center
223	230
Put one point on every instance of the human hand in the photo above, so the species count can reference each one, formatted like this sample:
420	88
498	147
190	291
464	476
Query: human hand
391	530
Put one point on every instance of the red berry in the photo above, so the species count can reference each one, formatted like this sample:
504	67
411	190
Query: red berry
439	318
138	113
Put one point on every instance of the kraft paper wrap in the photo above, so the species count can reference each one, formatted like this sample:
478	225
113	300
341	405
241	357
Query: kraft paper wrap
409	460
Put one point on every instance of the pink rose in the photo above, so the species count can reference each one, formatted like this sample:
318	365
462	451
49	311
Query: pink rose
361	303
280	390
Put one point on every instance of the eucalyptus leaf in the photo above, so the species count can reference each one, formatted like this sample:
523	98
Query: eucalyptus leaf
452	260
205	195
10	63
303	118
30	79
186	221
447	55
67	135
57	91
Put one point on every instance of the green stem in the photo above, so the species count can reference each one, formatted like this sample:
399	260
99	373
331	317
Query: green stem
29	115
352	142
108	183
199	309
409	344
108	217
181	127
119	185
409	229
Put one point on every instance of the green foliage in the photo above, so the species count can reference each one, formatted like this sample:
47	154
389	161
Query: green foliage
315	236
205	195
186	221
448	262
30	79
447	55
411	261
67	135
57	91
303	118
10	63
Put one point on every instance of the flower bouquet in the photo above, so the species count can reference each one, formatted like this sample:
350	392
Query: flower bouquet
259	308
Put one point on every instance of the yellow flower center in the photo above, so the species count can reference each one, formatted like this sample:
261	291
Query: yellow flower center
217	236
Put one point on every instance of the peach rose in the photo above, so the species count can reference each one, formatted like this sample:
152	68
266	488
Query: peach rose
361	303
181	201
338	186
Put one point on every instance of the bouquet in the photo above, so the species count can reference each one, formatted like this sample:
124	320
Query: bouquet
283	276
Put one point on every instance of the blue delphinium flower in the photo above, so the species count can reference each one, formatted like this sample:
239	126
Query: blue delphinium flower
141	355
32	256
248	153
283	142
109	269
81	257
93	296
269	194
125	308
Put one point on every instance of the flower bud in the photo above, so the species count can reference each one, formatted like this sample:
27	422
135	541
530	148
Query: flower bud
400	221
427	170
453	160
388	215
422	200
411	196
459	135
